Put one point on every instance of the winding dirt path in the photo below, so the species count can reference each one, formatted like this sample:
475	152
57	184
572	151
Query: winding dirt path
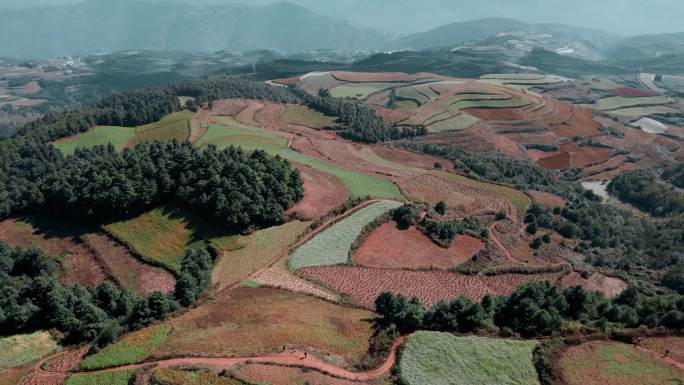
293	358
658	356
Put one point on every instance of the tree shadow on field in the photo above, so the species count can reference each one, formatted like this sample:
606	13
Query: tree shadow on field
53	226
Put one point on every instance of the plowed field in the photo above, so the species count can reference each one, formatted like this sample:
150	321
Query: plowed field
389	247
364	284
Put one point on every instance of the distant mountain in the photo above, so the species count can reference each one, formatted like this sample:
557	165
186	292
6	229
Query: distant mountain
648	46
114	25
457	33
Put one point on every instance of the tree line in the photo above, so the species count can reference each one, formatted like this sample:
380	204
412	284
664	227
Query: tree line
441	232
642	189
235	188
32	299
534	309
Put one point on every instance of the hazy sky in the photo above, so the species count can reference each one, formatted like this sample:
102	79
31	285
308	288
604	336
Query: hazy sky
628	17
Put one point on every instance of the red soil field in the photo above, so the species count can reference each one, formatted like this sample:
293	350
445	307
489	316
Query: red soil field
608	286
79	266
391	116
365	284
496	113
582	122
322	193
627	92
556	161
587	155
287	81
29	102
389	247
613	173
660	344
228	107
547	200
282	375
30	88
400	156
462	199
126	269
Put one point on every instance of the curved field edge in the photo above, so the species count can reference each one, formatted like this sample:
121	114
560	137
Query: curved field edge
134	348
23	348
333	245
521	200
443	359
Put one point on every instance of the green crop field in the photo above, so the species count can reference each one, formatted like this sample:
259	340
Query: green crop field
359	92
456	123
496	103
119	377
619	102
360	185
131	349
101	135
421	93
444	359
173	126
521	201
643	111
332	246
163	234
305	116
22	348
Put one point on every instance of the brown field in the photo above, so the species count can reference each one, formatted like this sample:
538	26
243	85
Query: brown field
556	161
12	376
389	247
126	269
364	284
462	199
257	321
408	158
391	116
322	193
497	113
608	286
633	92
282	375
614	363
54	236
278	276
548	200
583	156
660	345
228	107
254	252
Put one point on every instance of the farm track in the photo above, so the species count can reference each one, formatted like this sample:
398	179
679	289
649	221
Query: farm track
657	356
293	358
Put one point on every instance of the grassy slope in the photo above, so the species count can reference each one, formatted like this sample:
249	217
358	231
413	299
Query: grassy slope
360	185
619	102
254	321
22	348
360	92
163	234
331	247
613	363
443	359
303	115
170	376
254	251
521	201
131	349
170	127
101	135
119	377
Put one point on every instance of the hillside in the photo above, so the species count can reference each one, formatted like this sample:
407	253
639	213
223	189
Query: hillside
106	26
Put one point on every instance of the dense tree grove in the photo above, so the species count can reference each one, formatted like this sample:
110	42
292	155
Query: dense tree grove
355	119
444	232
208	90
534	309
235	188
32	299
640	188
674	174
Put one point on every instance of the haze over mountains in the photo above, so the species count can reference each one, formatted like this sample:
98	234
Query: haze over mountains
48	28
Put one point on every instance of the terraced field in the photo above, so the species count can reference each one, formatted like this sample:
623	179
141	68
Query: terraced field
98	136
302	115
619	102
234	134
443	359
332	246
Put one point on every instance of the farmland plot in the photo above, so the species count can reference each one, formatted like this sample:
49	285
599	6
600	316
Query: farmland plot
22	348
619	102
332	246
131	349
443	359
101	135
174	126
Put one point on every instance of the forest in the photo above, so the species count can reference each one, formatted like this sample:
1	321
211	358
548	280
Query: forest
534	309
642	189
32	299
